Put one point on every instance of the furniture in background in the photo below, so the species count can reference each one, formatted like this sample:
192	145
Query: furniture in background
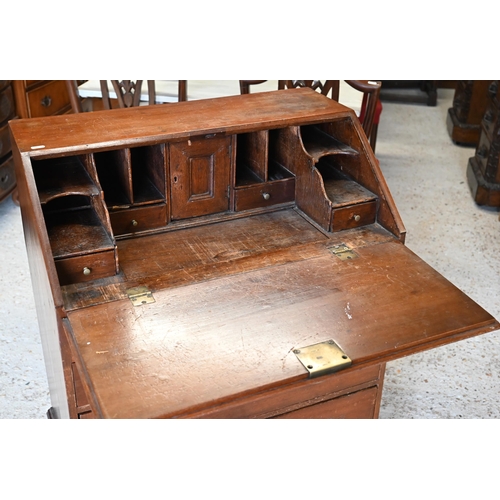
122	94
36	98
246	84
371	107
469	105
410	91
250	263
483	169
7	112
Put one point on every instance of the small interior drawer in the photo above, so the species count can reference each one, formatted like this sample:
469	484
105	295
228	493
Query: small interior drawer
138	219
86	267
354	216
264	194
7	106
50	99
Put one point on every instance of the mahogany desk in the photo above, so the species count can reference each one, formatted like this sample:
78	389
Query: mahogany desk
238	257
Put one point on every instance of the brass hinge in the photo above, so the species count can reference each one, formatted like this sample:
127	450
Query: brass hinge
343	252
323	358
140	295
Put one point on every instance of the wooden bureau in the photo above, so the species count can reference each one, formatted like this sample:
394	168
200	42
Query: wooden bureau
238	257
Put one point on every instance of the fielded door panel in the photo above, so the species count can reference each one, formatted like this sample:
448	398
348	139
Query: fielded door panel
199	176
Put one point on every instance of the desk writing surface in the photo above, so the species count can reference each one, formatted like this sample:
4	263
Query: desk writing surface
234	333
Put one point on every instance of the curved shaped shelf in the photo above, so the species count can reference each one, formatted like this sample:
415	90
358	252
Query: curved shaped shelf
318	143
60	177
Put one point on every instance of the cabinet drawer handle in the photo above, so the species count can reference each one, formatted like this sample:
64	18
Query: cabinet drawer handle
46	101
266	196
134	223
87	271
357	218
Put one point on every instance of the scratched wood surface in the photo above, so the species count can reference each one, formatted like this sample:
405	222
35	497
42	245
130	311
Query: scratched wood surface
214	340
156	124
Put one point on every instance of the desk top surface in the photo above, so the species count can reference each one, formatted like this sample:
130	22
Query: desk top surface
154	124
227	317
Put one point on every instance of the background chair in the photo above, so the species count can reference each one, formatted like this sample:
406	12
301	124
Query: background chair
245	85
371	106
128	93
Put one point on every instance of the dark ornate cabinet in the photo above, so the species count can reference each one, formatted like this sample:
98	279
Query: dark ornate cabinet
483	169
239	257
7	112
465	115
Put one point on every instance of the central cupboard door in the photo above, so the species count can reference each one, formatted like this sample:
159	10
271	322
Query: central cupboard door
199	176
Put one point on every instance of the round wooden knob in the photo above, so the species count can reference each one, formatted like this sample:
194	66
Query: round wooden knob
46	101
87	271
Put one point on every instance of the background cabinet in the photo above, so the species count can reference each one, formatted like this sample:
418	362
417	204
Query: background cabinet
464	117
483	169
25	99
36	98
7	112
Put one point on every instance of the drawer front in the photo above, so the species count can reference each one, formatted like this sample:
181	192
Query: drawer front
50	99
354	216
265	194
86	267
357	405
298	396
7	178
5	145
7	106
139	219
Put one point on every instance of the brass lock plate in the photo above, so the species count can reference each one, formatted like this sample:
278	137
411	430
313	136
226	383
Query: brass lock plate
323	358
343	252
140	295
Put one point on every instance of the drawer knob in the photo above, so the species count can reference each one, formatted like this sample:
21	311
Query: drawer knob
46	101
86	271
357	218
134	223
266	196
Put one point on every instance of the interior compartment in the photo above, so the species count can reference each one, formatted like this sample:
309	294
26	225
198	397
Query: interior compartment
148	174
74	227
115	176
63	176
